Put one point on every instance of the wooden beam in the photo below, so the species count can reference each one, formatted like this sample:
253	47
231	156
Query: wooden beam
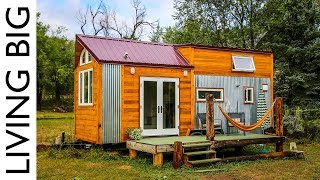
177	154
158	159
279	123
209	117
132	153
244	142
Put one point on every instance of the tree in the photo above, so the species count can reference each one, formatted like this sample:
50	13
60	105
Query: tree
42	37
102	19
55	62
234	23
294	37
156	35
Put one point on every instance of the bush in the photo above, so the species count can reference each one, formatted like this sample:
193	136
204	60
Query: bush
135	133
296	125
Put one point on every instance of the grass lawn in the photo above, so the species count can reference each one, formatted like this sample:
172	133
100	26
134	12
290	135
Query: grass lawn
51	124
98	164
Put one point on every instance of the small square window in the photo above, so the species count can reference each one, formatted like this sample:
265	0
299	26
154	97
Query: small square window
216	92
248	95
243	63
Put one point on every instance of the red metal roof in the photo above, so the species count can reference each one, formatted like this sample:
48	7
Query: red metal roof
112	50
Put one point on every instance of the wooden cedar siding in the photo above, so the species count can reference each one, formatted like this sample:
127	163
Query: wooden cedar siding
131	97
88	118
219	62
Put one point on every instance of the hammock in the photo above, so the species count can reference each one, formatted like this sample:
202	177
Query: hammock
247	127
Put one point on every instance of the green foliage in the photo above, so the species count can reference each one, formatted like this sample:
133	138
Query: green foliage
293	124
156	35
55	62
294	36
298	127
290	28
233	23
135	133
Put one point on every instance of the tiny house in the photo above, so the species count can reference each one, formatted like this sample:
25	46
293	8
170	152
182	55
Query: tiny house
121	84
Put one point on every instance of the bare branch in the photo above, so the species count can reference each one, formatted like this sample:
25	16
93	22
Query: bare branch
103	19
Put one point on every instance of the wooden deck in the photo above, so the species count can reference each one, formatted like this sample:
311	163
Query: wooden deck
159	145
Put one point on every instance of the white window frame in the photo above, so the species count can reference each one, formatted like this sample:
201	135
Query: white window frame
81	96
221	90
87	59
234	68
245	97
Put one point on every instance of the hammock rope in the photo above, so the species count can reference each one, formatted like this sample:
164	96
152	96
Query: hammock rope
247	127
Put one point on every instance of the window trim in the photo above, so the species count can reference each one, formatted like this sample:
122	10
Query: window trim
81	103
241	69
86	61
245	88
209	89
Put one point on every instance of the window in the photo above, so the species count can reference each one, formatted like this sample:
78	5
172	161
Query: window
243	63
85	57
217	93
85	87
248	95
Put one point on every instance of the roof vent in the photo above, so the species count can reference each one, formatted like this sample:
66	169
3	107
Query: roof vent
125	55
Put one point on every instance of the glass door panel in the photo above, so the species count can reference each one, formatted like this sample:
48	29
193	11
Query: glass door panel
150	105
169	105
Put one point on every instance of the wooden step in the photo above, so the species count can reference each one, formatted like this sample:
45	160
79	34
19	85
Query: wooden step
196	145
204	161
200	153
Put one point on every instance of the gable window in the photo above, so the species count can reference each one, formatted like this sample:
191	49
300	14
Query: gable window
216	92
248	95
85	87
85	57
243	63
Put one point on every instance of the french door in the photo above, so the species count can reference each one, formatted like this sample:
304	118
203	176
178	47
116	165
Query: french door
159	106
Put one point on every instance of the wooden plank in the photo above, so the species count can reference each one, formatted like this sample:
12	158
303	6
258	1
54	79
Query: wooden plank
244	142
177	154
209	117
164	148
141	147
158	159
131	97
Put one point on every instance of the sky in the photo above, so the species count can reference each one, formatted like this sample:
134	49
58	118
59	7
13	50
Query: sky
64	12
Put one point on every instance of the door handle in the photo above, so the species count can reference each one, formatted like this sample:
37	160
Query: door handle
161	109
158	109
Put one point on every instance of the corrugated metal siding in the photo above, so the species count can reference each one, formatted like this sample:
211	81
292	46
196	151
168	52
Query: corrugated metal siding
233	95
111	108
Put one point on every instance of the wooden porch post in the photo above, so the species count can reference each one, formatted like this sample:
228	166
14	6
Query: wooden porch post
279	123
177	154
132	153
158	159
209	117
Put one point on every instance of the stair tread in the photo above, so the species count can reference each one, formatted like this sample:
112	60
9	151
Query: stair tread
203	161
196	145
200	153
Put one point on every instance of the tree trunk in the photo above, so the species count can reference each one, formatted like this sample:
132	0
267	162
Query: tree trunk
39	97
57	93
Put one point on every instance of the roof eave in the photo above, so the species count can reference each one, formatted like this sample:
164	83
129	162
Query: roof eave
223	48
